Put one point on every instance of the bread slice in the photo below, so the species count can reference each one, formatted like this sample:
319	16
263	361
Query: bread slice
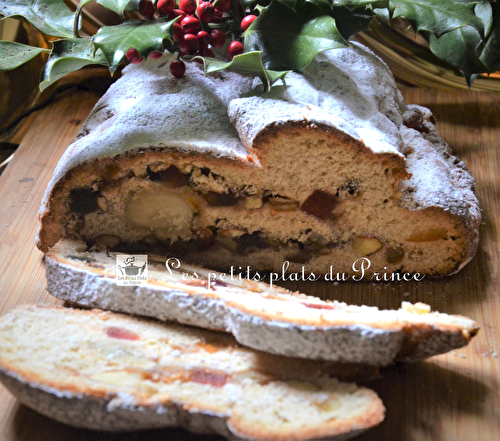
106	371
330	168
269	319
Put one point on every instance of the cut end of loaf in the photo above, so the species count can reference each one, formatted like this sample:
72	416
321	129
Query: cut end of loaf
148	375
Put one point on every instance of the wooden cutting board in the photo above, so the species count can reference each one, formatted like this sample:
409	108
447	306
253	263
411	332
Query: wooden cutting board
450	397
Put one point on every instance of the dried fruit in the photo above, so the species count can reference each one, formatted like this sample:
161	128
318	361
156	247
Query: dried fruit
428	235
320	204
121	333
220	199
173	177
394	255
83	200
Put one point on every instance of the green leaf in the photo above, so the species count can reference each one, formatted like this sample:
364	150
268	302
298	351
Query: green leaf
289	3
490	53
290	40
458	48
144	35
351	4
351	21
14	54
485	12
118	6
325	5
67	56
249	62
52	17
436	16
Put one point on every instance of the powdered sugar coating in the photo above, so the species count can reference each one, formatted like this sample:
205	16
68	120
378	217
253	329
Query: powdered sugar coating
268	319
349	89
148	107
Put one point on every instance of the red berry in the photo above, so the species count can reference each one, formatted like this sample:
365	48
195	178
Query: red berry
165	6
223	5
188	6
234	48
209	52
190	24
177	68
177	32
146	8
189	43
155	55
176	13
220	17
206	12
217	38
247	21
134	56
203	38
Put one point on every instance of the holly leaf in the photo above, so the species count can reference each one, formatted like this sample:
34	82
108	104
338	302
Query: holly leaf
458	48
351	21
118	6
325	5
485	12
67	56
14	54
290	40
248	63
436	16
144	35
490	53
351	4
52	17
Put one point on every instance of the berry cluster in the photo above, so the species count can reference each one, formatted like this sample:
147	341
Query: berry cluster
192	33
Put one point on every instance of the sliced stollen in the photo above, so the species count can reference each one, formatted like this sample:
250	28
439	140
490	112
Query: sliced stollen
268	319
332	167
106	371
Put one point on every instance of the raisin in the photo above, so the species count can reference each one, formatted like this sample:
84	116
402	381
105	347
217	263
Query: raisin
320	204
220	199
83	200
153	176
395	255
249	243
173	177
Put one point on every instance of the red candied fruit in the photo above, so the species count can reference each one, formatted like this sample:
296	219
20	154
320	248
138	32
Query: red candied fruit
216	379
121	333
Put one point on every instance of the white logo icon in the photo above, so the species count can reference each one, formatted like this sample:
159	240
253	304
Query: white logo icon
131	269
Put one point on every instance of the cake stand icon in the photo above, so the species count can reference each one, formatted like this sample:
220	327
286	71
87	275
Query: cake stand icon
131	269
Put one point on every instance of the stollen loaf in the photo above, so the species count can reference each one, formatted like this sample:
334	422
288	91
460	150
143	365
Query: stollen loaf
270	319
99	370
328	168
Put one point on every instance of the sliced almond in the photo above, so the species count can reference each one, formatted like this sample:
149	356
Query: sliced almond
364	246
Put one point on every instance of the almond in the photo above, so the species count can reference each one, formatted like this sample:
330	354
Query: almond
364	246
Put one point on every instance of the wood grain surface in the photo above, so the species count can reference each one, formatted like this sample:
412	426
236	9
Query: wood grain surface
452	397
